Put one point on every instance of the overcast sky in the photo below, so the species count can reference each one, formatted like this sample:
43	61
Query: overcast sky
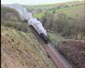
33	2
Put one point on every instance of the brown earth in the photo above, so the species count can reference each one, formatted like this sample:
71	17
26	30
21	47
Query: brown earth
74	52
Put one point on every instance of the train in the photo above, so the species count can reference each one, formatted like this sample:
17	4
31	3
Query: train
26	16
38	27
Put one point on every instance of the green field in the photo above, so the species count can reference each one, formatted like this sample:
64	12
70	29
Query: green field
70	11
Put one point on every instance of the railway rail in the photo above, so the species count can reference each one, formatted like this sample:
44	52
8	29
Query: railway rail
54	55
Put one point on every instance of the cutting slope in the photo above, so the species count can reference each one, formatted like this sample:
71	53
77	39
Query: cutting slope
20	49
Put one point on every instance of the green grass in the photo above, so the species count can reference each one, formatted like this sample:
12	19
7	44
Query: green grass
70	11
55	37
73	11
24	41
38	15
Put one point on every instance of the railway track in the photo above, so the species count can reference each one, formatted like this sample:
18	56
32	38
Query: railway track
57	58
54	55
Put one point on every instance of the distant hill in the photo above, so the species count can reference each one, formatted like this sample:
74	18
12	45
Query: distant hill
39	10
55	5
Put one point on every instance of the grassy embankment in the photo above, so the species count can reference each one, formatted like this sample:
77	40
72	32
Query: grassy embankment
20	49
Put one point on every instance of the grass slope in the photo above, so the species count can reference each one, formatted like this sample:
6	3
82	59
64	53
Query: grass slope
74	11
20	49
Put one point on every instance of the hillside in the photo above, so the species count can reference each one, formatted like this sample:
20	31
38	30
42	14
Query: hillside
19	48
76	11
50	6
67	7
70	11
73	51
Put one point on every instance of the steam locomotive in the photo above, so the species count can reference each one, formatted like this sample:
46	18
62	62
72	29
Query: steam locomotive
38	27
33	22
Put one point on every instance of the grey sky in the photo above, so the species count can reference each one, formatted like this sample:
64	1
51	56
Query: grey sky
33	2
